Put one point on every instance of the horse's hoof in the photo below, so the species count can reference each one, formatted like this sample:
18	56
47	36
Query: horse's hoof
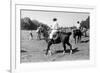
63	52
50	53
70	52
46	54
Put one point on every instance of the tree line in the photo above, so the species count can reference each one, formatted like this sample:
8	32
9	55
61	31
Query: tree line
28	24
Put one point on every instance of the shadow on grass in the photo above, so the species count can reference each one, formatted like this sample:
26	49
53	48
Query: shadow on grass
85	41
67	51
23	51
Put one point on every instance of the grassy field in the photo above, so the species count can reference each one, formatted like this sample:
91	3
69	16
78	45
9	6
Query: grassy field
33	50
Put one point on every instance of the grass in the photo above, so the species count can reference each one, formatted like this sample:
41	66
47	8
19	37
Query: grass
33	50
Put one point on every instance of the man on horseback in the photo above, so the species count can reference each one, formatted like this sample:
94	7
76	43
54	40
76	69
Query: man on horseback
53	35
56	37
77	33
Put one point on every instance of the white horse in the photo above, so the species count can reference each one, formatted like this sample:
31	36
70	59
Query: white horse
38	31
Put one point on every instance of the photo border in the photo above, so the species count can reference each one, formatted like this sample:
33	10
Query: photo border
14	62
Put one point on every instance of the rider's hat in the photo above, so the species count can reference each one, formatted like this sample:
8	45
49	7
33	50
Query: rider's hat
54	19
78	22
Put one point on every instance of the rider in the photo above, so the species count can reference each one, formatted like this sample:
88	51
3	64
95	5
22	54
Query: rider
54	27
78	29
78	25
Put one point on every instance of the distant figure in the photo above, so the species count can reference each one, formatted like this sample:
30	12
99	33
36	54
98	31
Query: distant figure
54	30
31	35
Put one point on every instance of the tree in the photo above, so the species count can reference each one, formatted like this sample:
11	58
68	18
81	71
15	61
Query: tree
25	23
86	23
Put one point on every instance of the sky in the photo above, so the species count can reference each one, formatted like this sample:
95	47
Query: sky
65	19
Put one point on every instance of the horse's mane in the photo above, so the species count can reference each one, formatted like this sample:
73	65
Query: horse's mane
66	33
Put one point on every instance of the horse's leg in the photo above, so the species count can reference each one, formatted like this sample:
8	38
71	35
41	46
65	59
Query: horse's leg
74	38
70	47
78	39
86	34
64	46
48	47
39	36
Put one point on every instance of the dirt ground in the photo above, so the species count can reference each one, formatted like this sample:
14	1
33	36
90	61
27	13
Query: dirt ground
33	50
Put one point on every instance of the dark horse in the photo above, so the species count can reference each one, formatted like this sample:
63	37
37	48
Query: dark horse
77	34
62	37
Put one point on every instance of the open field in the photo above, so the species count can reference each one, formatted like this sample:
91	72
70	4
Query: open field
33	50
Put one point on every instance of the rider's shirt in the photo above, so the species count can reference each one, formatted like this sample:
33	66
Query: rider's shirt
77	25
55	26
54	29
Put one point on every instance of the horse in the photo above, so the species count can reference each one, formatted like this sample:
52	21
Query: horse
62	37
77	34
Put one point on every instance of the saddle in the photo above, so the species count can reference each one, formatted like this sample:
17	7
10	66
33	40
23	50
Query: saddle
55	36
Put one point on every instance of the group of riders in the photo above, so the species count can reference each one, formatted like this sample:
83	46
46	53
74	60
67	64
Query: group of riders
57	36
55	28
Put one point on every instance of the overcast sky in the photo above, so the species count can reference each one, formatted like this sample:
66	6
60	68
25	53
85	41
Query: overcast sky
64	18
